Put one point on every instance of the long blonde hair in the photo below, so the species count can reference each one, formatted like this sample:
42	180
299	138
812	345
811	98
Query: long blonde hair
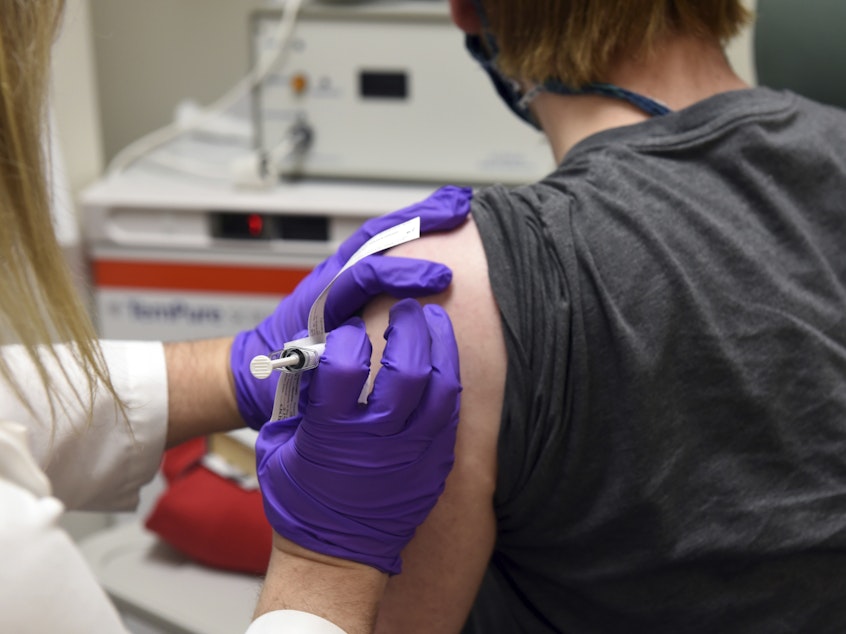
39	305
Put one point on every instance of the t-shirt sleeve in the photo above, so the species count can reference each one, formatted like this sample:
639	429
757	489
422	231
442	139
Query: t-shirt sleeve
526	240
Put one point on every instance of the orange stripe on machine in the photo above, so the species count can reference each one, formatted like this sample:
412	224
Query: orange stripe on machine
196	277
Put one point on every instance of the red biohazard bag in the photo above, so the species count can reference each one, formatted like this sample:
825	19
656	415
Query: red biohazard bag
209	518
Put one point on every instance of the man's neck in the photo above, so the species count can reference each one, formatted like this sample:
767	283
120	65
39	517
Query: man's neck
682	72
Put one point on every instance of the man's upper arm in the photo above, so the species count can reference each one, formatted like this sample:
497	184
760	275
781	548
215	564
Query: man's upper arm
444	563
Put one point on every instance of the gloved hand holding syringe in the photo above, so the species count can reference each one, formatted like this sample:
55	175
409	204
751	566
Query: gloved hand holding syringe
303	354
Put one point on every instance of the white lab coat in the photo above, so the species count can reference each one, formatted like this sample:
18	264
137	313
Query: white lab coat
47	466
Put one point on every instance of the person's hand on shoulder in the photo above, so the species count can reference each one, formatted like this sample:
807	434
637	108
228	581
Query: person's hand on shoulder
445	209
354	480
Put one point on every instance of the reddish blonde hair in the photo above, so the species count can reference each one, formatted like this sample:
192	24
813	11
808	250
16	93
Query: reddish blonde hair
575	41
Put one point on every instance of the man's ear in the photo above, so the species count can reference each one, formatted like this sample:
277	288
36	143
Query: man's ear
465	16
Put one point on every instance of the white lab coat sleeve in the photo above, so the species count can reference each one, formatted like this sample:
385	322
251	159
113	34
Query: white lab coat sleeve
97	466
46	584
292	622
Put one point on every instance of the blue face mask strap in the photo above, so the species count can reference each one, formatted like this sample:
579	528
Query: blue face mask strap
507	89
649	106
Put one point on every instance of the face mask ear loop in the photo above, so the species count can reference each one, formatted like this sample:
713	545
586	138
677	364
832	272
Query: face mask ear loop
487	35
529	96
487	39
483	16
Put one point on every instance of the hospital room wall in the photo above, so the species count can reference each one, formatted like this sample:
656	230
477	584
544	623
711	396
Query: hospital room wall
741	53
151	55
121	67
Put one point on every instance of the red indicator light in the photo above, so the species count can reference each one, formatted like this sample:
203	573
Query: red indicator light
255	224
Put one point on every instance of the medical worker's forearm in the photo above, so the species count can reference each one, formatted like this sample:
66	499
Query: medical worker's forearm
343	592
201	396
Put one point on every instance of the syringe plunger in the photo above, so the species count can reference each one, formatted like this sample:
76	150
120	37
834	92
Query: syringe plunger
293	359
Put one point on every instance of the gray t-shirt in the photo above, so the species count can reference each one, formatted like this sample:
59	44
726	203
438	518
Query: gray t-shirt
672	455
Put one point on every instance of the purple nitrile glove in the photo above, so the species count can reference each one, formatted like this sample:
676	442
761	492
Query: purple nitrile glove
352	480
399	277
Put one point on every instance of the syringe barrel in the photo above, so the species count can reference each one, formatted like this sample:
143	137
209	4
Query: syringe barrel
309	357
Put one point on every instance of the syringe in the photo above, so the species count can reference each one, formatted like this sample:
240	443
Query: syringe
293	359
304	354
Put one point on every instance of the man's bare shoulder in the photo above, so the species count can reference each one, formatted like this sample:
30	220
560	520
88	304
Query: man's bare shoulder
444	563
469	299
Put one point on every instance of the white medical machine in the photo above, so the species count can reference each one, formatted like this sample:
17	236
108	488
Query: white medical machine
385	90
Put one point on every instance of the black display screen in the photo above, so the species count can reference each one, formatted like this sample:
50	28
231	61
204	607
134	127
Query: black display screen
235	225
383	85
241	226
315	228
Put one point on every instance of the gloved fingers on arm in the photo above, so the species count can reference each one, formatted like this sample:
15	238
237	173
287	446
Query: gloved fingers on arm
340	485
406	369
445	209
333	391
445	381
383	275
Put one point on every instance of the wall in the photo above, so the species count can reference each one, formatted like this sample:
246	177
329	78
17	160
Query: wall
75	103
740	51
151	55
